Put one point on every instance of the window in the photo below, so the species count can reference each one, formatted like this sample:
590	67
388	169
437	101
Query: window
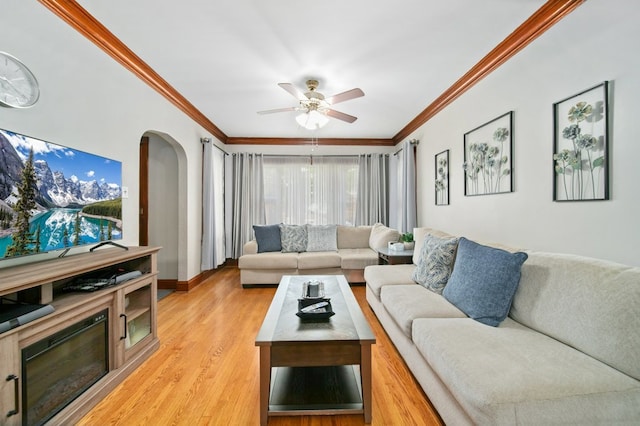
314	190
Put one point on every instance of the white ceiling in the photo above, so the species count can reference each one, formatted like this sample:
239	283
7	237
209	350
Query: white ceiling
226	57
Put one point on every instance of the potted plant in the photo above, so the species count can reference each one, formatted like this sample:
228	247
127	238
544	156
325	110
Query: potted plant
407	239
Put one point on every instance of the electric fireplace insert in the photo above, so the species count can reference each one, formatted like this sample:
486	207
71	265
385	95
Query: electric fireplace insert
60	367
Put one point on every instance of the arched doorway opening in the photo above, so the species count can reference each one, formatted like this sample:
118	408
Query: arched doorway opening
162	222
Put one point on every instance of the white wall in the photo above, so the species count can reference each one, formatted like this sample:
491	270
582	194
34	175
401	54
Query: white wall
597	42
90	102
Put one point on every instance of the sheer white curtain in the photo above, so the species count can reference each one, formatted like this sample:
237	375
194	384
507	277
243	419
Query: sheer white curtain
334	190
314	190
245	199
286	183
213	233
373	189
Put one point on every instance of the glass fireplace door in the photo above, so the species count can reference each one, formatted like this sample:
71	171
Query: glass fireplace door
60	367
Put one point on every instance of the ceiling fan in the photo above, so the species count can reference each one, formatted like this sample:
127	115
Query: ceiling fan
314	107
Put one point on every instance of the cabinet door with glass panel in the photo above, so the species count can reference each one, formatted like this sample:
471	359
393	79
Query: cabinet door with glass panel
137	317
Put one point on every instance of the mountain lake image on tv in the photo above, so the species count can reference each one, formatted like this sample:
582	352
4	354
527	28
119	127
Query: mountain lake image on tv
55	198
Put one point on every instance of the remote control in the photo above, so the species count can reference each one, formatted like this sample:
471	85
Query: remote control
313	307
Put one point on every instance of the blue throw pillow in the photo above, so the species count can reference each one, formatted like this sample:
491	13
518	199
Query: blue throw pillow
267	237
484	281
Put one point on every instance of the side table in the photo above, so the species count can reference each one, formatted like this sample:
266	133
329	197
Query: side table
394	257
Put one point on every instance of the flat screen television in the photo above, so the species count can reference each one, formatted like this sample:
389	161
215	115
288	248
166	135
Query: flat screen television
55	198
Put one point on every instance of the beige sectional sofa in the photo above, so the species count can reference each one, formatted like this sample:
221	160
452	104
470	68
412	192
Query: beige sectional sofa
355	249
567	353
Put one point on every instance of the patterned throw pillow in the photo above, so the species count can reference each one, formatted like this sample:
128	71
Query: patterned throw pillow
435	262
293	238
322	238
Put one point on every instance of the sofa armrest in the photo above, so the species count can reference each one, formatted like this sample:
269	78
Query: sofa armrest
381	236
250	247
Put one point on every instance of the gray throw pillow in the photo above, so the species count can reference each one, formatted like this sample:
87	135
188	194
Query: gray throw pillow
484	281
435	262
322	238
293	238
267	237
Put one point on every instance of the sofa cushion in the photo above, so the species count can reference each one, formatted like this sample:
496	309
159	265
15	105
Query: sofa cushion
436	261
267	237
293	238
510	375
378	276
357	258
352	237
408	302
590	304
381	235
483	281
274	260
322	238
319	260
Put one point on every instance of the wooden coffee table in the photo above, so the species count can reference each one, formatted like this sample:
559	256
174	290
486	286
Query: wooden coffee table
315	367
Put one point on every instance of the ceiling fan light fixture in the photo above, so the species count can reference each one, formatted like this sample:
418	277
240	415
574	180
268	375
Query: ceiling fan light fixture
312	120
315	108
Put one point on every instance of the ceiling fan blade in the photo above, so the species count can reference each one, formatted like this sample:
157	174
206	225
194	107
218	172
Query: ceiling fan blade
340	115
294	91
344	96
271	111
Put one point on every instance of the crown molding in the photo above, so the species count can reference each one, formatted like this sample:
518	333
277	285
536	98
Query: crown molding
543	19
308	141
77	17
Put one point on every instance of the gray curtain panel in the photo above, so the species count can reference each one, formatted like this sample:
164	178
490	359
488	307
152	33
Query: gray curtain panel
373	189
246	199
409	211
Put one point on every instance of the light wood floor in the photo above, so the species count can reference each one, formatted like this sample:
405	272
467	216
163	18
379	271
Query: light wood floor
206	370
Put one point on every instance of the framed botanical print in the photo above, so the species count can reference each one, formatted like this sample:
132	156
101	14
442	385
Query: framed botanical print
442	178
580	146
488	152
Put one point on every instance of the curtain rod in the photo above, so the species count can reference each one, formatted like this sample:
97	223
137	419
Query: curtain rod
317	156
208	140
413	142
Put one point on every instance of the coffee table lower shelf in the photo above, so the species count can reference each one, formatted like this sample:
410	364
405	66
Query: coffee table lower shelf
315	390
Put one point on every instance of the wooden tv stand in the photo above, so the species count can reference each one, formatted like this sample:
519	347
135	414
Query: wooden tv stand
132	307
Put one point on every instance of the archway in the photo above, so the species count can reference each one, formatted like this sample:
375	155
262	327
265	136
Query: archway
166	222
